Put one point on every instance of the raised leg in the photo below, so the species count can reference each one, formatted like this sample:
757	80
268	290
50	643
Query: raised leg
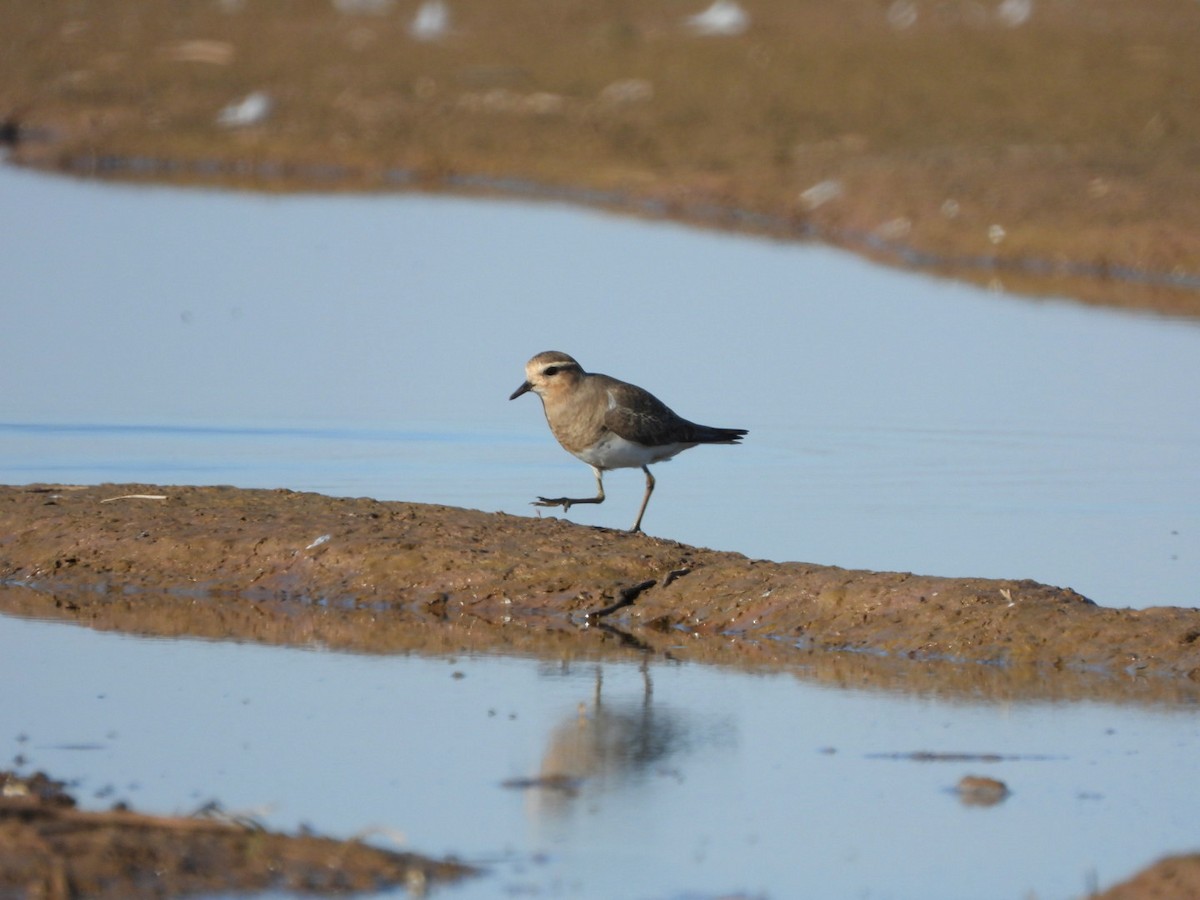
567	502
637	526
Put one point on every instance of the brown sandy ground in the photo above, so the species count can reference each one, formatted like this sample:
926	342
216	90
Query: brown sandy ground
356	574
379	577
50	850
1171	878
1053	153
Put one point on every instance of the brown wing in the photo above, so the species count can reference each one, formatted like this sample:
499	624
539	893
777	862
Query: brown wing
641	417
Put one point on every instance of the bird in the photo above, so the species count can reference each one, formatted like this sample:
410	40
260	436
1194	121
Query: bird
610	424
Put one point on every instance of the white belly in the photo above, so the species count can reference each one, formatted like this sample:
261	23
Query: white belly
613	452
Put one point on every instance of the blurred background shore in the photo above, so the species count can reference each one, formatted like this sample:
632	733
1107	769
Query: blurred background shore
1046	146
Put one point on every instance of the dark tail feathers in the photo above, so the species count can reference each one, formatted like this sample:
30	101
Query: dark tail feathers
708	435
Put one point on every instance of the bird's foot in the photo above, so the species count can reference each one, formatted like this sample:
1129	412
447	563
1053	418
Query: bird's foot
564	502
567	502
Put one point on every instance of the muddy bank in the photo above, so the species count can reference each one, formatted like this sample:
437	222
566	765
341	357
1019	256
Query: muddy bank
1047	148
51	849
367	575
1171	878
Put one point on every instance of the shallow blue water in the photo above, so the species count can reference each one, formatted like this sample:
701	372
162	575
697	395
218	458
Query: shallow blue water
696	780
367	345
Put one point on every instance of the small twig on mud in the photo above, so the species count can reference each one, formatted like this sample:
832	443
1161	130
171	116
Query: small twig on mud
676	573
135	497
624	598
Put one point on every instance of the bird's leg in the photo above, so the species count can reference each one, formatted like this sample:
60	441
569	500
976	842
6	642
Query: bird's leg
637	526
567	502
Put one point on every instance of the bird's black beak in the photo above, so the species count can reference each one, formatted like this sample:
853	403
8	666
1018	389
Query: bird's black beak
521	390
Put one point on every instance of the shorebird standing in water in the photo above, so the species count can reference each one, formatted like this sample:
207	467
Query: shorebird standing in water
610	424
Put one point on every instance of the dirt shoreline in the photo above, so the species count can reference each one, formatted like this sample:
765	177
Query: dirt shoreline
1049	154
52	850
365	575
301	569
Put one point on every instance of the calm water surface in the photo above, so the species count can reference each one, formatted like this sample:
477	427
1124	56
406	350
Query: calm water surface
699	780
367	345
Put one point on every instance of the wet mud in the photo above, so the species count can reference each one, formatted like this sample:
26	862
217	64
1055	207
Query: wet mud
1171	878
302	569
51	850
358	574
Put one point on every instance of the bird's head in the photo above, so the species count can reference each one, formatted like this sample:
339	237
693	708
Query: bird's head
548	372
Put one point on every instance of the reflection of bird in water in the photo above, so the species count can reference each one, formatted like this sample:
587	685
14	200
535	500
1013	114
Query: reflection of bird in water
605	745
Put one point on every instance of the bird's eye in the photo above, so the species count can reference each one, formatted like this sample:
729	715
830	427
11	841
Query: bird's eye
550	370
